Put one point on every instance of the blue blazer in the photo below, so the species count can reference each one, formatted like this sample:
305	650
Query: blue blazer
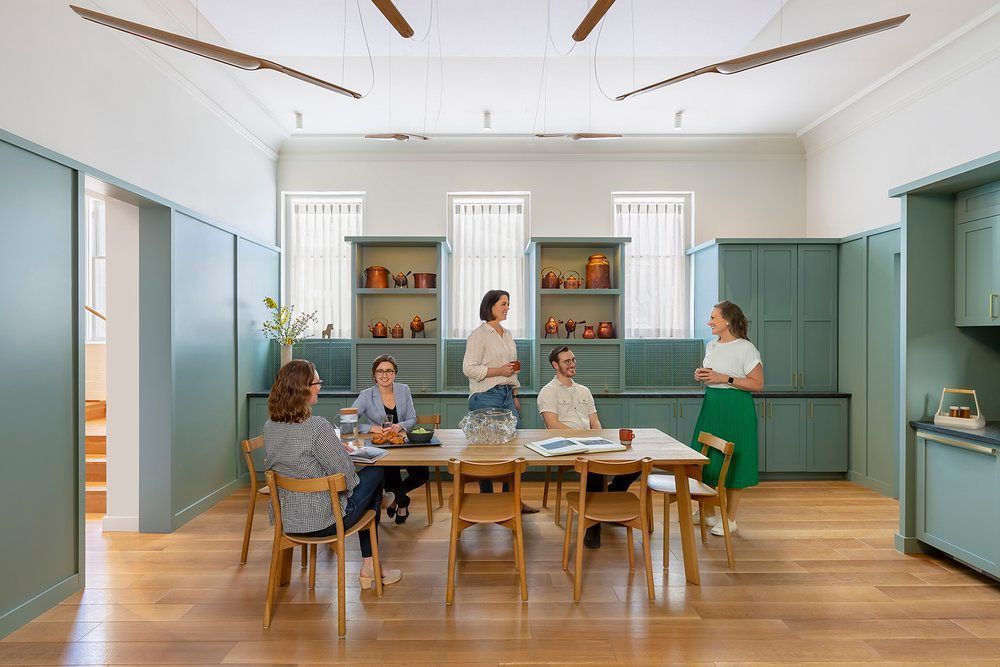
369	405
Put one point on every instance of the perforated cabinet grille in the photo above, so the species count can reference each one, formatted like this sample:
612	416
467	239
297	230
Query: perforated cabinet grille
662	362
332	359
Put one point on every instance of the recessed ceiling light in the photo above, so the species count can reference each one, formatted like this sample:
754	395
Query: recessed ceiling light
298	120
678	121
487	122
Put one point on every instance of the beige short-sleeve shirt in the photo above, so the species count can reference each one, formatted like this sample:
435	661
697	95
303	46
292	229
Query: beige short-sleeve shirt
572	405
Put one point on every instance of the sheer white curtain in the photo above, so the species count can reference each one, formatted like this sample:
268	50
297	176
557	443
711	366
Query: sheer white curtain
487	240
656	268
319	261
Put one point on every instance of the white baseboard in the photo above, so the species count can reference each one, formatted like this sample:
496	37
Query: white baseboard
120	524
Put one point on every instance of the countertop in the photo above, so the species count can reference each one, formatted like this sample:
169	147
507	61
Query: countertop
671	393
990	435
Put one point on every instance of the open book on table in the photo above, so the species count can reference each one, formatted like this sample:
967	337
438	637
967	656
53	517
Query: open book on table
367	454
558	446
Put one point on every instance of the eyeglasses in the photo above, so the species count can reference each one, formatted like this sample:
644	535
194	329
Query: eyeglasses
386	371
316	383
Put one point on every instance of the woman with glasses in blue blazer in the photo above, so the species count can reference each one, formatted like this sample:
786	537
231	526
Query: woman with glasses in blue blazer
387	406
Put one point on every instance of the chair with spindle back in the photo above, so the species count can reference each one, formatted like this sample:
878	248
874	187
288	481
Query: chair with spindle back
621	507
284	542
434	420
475	508
249	447
701	493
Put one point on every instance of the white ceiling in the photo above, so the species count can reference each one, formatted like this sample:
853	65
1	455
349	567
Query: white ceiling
481	55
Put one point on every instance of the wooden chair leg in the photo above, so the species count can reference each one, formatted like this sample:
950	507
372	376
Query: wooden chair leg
437	480
578	579
545	489
272	582
249	526
519	552
725	531
649	565
568	529
285	573
701	514
305	556
630	545
449	595
341	584
376	561
430	504
559	480
666	531
312	566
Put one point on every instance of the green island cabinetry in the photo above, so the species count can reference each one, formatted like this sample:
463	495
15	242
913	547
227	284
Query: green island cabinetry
977	256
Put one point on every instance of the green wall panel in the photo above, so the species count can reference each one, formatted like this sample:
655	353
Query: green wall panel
883	329
40	403
852	341
204	361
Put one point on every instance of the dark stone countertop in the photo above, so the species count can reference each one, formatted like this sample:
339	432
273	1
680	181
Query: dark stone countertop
990	435
663	393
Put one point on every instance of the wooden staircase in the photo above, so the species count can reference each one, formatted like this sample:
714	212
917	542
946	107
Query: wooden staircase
96	453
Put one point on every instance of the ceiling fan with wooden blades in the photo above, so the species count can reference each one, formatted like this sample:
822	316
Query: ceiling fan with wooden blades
592	18
393	16
750	61
220	54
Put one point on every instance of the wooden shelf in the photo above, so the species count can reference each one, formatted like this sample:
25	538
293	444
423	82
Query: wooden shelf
579	341
580	292
394	291
397	341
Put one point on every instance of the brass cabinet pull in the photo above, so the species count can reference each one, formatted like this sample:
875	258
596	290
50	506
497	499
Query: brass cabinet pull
992	315
795	380
802	380
980	449
681	406
810	409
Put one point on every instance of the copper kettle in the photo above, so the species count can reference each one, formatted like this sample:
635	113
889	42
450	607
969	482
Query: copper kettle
605	330
598	272
572	280
417	326
376	277
552	327
378	328
551	280
588	332
400	279
571	327
397	331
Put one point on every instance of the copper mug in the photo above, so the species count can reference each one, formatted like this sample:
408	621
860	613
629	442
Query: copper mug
626	436
376	277
588	332
605	330
517	365
598	272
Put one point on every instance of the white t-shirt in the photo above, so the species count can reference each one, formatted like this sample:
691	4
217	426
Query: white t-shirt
733	359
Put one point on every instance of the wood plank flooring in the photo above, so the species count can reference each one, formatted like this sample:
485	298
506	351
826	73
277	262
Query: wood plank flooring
817	580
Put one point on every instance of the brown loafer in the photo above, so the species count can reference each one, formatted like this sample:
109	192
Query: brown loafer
528	509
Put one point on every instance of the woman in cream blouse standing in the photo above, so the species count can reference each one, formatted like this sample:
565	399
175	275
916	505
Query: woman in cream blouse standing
489	364
731	370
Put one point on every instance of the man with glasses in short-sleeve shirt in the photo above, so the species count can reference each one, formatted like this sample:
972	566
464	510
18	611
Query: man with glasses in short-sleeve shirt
564	403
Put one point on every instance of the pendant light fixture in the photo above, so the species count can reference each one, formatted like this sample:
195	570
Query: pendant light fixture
592	18
393	16
743	63
580	136
220	54
397	136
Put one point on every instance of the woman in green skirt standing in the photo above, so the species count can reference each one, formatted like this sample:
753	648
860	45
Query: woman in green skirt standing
731	371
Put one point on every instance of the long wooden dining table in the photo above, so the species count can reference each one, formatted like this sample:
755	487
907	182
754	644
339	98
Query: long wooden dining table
666	452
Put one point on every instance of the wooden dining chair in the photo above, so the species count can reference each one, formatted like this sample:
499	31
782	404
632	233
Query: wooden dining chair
284	543
545	490
469	509
621	507
701	493
249	447
435	420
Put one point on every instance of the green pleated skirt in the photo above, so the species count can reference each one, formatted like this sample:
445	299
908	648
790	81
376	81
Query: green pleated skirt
729	414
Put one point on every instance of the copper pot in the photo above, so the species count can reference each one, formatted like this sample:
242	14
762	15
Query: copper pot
376	277
424	280
552	327
400	279
571	327
605	330
397	331
551	280
572	280
417	325
588	332
598	272
378	329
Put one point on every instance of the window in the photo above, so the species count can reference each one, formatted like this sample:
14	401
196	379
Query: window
488	233
96	328
317	259
657	301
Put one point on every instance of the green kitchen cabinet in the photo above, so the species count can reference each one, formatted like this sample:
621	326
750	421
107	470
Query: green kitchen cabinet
827	435
778	317
977	272
529	413
785	435
688	410
759	410
427	406
738	279
611	411
658	413
452	411
816	327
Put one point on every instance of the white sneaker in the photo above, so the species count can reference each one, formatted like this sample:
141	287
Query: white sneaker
388	498
710	521
719	530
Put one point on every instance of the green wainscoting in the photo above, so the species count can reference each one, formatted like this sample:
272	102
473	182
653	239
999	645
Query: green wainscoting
41	540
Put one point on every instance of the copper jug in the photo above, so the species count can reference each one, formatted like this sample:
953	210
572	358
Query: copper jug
572	280
598	272
378	328
605	330
552	327
397	331
424	280
571	327
417	326
376	277
400	279
551	280
588	332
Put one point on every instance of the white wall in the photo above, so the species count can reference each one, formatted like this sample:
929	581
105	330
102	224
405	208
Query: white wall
939	113
736	194
123	366
103	98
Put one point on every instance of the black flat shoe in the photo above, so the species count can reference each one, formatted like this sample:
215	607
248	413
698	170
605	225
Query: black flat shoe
400	505
390	511
592	538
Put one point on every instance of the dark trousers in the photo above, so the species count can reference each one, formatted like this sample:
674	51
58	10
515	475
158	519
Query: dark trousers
618	483
500	396
416	476
367	495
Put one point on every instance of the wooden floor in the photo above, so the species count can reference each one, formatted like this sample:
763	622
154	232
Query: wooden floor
816	580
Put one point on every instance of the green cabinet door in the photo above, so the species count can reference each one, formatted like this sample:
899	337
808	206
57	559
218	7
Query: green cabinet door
816	328
759	408
688	410
738	280
529	413
329	407
977	273
658	413
786	435
452	411
827	435
426	407
611	411
778	315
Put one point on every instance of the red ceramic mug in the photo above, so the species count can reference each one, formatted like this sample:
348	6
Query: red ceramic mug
517	365
626	435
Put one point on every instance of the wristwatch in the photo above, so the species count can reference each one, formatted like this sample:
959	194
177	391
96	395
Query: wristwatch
730	380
